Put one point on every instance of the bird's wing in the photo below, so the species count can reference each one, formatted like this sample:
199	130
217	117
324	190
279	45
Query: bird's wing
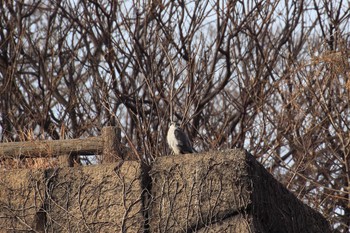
183	141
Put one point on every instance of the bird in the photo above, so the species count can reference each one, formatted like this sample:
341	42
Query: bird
178	141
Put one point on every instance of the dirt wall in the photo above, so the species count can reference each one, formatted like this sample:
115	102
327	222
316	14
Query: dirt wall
211	192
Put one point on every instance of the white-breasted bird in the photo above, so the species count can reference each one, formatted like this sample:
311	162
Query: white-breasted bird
178	140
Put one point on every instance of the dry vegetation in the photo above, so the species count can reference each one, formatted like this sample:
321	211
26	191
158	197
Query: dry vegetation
269	76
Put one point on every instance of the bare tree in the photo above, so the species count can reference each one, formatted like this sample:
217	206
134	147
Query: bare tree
271	77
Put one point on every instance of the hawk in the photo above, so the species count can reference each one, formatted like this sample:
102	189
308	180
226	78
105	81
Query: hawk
178	140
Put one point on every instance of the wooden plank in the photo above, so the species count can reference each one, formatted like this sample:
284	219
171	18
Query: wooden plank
35	149
111	144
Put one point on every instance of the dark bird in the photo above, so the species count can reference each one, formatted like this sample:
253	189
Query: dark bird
178	140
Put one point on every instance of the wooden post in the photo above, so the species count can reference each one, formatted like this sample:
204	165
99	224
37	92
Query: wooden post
44	148
111	144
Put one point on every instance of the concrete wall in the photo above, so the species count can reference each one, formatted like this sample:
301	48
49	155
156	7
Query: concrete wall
212	192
